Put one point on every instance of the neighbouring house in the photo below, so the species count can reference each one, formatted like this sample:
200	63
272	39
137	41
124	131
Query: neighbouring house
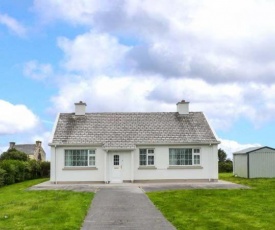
34	151
133	147
254	162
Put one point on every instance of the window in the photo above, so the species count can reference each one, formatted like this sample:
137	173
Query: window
197	157
186	156
146	157
116	159
83	157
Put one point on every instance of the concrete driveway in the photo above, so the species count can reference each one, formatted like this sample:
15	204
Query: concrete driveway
147	187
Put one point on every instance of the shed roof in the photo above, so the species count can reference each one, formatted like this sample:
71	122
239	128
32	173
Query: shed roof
251	149
126	130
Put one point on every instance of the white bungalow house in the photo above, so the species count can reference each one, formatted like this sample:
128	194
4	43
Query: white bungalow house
133	147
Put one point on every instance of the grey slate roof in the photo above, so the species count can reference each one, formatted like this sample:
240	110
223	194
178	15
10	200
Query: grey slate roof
26	148
126	130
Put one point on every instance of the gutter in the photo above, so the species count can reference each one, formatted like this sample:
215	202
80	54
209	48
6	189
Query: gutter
55	180
183	143
75	145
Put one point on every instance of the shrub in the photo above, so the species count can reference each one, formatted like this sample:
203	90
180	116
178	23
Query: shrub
2	175
45	169
13	154
14	171
35	169
226	166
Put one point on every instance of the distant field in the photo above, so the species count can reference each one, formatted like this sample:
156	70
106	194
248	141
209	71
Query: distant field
220	209
21	209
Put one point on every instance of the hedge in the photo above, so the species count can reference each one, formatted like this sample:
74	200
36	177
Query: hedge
226	166
13	171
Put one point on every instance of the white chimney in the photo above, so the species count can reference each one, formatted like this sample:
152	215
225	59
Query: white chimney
183	107
80	108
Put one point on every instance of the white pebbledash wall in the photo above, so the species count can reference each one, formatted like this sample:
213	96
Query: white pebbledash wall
131	171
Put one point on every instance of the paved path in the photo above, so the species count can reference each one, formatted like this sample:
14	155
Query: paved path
124	208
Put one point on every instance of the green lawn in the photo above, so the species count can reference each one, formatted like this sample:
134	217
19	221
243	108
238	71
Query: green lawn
220	209
21	209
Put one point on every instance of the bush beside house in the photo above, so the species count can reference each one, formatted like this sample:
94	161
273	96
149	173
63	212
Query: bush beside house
225	164
15	166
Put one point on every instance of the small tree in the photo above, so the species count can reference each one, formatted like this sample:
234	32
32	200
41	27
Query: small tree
222	155
13	154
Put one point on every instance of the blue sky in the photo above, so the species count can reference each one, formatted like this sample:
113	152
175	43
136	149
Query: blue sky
136	56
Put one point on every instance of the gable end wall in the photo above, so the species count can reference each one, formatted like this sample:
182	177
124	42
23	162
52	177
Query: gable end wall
262	163
240	165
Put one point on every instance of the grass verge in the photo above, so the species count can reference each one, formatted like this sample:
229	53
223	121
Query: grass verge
28	210
220	209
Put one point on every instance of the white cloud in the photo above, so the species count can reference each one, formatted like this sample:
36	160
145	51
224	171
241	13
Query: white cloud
232	19
218	41
12	24
74	11
37	71
92	52
16	118
230	146
109	94
223	103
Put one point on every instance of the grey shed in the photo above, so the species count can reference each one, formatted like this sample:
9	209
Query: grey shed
254	162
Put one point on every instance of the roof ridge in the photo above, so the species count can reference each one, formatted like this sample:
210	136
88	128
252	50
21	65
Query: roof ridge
134	113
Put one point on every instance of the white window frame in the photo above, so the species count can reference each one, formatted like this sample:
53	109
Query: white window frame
91	153
195	152
88	152
149	153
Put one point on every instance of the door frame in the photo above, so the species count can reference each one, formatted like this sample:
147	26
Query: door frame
118	167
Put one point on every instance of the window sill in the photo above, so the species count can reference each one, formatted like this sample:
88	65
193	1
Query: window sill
147	167
79	168
185	167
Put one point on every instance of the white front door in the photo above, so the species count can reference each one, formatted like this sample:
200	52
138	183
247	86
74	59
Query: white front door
116	168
